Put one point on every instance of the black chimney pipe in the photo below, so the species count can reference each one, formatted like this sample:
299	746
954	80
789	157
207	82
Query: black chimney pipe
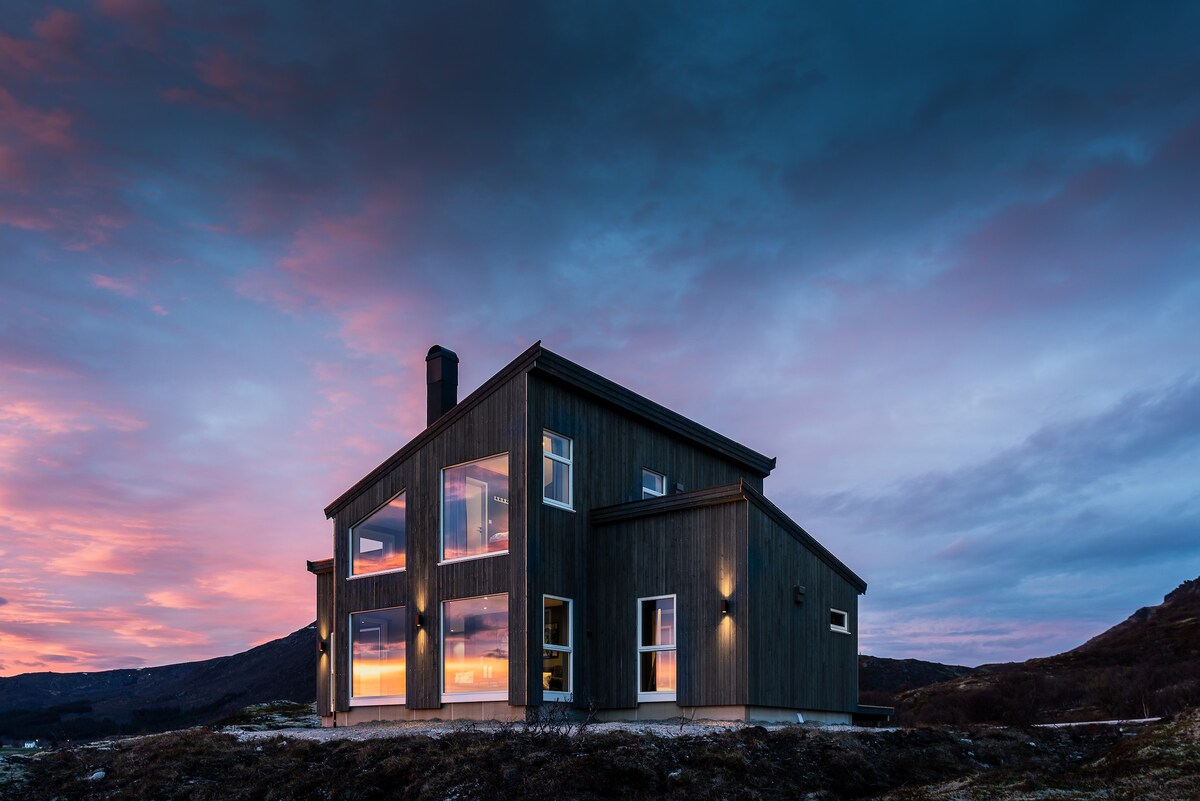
441	376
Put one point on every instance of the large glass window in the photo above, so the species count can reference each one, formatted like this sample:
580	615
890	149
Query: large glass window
656	649
377	543
556	648
654	485
556	469
377	645
475	508
475	649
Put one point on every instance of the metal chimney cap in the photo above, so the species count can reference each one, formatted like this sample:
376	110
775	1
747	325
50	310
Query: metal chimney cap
438	351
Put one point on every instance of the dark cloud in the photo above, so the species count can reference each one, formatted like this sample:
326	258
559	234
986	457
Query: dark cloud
943	253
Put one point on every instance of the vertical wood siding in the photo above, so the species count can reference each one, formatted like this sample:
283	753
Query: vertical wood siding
795	660
699	556
324	630
610	449
496	425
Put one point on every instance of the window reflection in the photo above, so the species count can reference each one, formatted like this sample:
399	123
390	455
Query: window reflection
556	645
475	508
377	651
475	645
378	542
657	657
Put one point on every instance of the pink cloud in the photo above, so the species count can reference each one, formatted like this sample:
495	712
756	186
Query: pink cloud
221	70
50	129
59	27
124	286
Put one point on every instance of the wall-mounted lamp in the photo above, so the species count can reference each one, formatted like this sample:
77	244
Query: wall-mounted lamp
420	620
322	645
724	606
799	594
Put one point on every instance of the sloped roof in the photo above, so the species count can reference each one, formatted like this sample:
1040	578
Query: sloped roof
725	493
544	362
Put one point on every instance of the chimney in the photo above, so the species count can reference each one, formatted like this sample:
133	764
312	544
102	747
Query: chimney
441	375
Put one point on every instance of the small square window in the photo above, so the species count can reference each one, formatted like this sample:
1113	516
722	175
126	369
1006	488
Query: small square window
654	485
839	621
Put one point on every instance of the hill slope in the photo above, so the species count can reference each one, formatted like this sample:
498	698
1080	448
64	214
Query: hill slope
86	705
881	679
1148	665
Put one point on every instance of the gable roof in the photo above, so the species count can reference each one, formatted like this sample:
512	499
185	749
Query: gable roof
725	493
547	363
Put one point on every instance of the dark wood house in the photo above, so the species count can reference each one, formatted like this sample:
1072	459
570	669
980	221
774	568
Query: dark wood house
557	537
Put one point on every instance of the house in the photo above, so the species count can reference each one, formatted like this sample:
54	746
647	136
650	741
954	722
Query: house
555	537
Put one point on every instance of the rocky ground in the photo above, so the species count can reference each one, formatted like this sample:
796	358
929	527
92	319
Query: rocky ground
1150	761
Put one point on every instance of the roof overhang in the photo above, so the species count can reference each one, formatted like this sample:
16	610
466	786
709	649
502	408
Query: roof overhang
546	363
726	493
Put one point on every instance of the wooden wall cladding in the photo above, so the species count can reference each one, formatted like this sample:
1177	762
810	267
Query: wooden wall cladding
698	555
324	632
796	661
495	425
610	449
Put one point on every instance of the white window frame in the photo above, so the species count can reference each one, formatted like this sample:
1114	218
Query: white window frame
361	520
835	627
569	461
442	512
373	700
646	493
569	649
641	649
451	698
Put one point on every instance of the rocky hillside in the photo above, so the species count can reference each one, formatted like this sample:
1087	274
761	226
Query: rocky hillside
1148	665
880	679
73	706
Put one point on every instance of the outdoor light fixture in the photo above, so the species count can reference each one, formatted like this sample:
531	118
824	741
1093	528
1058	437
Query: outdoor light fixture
799	591
420	620
724	606
323	645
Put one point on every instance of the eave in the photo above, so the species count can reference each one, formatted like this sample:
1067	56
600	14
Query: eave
546	363
725	493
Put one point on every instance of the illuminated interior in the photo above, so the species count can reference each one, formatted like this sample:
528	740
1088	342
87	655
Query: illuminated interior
556	645
379	541
657	656
475	508
475	645
377	651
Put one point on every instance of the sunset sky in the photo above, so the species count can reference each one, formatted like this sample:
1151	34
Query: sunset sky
941	259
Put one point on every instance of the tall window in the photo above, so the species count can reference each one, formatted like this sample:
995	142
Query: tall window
475	649
556	469
475	508
556	648
377	542
656	648
377	665
654	485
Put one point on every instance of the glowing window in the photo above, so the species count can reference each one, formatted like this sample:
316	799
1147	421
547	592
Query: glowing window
377	651
475	649
656	649
556	648
377	543
475	509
